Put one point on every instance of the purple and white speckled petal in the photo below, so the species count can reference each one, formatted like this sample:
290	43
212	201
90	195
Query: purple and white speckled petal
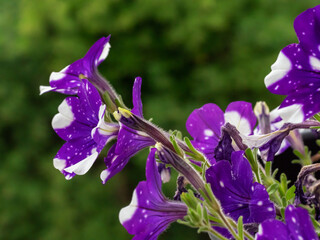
240	114
149	212
306	26
296	72
232	185
300	105
128	144
261	208
65	124
204	125
271	230
299	223
78	115
298	227
76	157
80	122
68	80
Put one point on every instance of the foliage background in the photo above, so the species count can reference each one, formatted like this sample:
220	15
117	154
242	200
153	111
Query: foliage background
188	53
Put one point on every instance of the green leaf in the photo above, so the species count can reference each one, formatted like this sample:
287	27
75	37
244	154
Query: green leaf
296	161
268	168
291	193
194	217
284	202
205	215
283	184
177	148
317	117
275	173
273	188
199	210
240	227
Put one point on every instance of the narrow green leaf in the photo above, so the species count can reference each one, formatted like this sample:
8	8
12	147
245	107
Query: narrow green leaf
282	211
268	168
275	173
240	227
205	215
273	188
317	117
194	217
284	202
291	193
199	210
283	183
296	161
177	148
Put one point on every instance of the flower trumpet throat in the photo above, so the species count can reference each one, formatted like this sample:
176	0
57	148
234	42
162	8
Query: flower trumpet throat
121	112
124	112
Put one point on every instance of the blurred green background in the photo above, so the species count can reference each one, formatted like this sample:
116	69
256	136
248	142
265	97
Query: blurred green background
188	53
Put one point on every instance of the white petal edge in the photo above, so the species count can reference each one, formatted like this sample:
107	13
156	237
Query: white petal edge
56	76
105	52
104	175
241	123
59	164
45	89
278	70
64	118
84	165
127	213
292	113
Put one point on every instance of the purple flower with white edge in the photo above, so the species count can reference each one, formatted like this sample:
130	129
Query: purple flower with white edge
129	141
68	80
298	226
232	183
296	72
80	122
204	124
150	212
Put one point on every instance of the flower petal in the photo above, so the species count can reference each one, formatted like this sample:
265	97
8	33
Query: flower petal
271	230
76	157
149	212
240	114
68	80
136	97
299	223
128	144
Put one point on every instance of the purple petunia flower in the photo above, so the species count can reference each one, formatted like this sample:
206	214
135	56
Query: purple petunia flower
149	212
232	183
129	141
204	124
298	227
68	80
80	122
296	72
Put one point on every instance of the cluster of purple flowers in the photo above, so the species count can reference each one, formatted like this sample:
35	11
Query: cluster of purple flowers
233	195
